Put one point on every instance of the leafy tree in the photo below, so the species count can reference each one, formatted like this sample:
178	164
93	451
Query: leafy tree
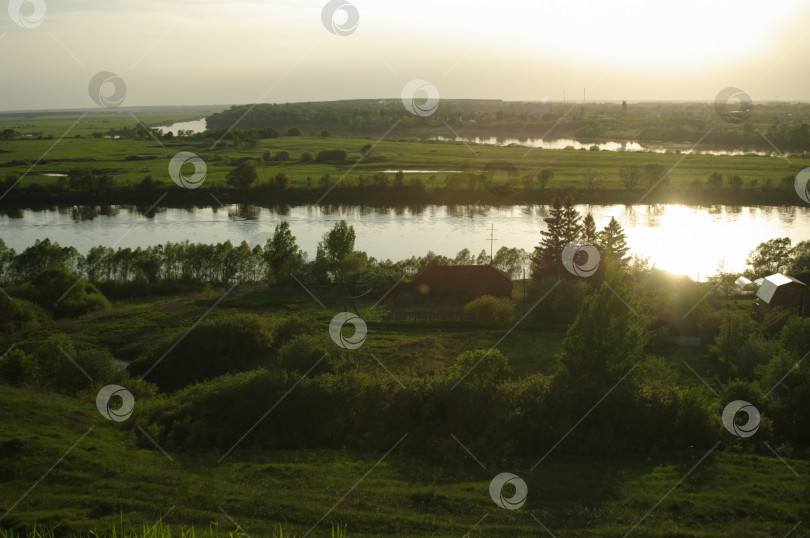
715	180
281	181
482	258
544	177
267	156
606	336
43	255
464	257
772	256
243	176
654	172
629	174
282	254
365	151
307	157
511	260
337	245
799	264
612	244
282	156
294	131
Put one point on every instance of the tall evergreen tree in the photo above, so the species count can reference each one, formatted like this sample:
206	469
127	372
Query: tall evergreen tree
563	227
613	244
589	229
547	254
572	228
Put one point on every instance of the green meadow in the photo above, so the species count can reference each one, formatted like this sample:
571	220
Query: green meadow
771	175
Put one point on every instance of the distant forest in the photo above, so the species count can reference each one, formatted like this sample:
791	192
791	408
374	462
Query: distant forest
785	125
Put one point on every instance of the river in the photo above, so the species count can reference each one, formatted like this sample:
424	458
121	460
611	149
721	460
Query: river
688	240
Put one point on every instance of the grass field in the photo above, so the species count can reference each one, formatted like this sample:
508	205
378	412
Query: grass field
757	172
114	477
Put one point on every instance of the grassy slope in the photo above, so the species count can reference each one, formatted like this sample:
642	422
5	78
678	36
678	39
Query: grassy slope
113	475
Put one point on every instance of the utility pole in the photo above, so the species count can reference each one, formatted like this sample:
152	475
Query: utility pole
491	241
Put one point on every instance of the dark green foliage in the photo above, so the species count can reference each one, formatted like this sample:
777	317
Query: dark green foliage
18	314
489	309
66	294
608	336
18	368
230	343
68	369
331	156
244	175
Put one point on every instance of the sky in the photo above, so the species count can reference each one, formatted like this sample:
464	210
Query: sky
201	52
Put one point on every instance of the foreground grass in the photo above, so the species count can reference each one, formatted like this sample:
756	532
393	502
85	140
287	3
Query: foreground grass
116	478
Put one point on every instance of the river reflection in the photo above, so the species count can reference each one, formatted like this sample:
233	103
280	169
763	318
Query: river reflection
691	240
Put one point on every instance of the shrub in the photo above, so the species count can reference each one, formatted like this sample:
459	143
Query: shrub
65	368
489	309
307	157
331	155
18	368
215	347
303	352
282	155
267	156
18	314
66	294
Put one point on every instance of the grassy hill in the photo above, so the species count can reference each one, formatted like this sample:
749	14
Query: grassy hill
115	478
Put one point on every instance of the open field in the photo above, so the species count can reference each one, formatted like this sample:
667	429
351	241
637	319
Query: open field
760	176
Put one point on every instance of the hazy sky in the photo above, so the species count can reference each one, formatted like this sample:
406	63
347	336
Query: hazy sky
207	52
